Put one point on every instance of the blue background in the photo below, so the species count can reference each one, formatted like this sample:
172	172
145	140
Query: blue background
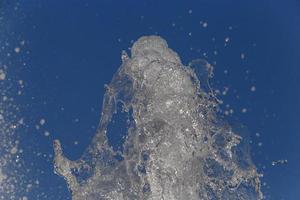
73	48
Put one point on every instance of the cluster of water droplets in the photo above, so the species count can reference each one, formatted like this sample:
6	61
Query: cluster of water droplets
13	183
10	122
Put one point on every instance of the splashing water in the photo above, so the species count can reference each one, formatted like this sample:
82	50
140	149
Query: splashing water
174	148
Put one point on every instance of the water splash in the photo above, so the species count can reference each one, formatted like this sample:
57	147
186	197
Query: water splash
175	147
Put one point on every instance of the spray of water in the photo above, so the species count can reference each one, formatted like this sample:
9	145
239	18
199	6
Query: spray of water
173	146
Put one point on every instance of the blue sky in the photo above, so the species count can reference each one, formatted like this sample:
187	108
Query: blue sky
73	48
